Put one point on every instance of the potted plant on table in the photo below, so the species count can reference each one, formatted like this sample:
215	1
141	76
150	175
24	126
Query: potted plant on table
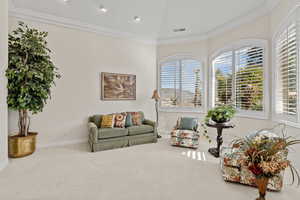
220	114
266	157
30	74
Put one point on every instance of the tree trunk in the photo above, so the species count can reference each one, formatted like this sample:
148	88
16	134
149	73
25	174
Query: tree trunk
24	122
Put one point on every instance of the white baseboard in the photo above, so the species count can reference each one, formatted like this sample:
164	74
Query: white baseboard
62	143
3	164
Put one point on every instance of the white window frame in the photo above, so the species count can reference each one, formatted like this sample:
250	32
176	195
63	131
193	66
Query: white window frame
185	56
266	95
293	16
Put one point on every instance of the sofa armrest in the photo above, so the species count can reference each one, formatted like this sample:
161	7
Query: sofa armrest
151	123
93	131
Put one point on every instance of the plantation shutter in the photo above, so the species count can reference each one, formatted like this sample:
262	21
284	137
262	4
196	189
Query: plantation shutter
191	84
287	73
170	84
223	66
249	78
181	84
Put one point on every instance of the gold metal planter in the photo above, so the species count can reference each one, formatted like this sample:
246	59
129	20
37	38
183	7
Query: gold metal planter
21	146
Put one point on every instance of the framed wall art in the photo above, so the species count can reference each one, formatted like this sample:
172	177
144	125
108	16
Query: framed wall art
118	86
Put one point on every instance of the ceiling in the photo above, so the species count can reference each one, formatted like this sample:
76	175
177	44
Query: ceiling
158	17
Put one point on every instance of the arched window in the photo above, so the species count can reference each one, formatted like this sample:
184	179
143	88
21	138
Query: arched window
181	84
239	78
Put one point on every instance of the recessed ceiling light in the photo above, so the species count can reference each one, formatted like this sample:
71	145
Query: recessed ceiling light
66	1
137	19
102	9
179	30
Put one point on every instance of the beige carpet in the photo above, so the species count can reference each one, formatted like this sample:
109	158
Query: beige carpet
144	172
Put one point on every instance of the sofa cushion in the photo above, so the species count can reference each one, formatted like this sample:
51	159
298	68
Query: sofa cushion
128	121
120	120
108	121
138	130
142	116
136	118
105	133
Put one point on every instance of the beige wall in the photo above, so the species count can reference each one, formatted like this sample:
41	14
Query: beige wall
81	57
3	65
261	28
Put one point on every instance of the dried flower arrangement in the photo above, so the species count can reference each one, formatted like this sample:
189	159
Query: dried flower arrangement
264	155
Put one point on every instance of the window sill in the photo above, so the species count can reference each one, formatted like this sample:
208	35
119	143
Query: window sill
288	123
182	110
252	115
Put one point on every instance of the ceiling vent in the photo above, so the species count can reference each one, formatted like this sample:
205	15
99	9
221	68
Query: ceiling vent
179	30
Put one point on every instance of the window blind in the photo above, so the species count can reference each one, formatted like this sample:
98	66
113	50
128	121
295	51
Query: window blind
239	78
170	84
181	84
191	83
223	76
249	78
287	73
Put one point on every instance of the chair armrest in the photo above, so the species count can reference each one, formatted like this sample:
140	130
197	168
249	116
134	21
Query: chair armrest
93	130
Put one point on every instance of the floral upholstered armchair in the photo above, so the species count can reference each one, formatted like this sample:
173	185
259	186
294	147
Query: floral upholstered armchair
186	133
233	170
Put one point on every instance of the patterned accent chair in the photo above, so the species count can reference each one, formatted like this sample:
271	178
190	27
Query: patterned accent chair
233	171
185	138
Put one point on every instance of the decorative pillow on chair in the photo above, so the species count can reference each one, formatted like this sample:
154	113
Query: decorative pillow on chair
136	118
120	120
188	123
108	121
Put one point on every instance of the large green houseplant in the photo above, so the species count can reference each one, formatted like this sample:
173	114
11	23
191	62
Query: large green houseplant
30	74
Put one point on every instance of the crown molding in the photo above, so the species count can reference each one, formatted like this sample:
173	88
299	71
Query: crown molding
251	16
31	15
26	14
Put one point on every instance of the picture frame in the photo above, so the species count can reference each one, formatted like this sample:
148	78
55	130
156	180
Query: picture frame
117	87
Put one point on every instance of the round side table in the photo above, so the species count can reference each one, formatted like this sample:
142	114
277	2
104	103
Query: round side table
219	126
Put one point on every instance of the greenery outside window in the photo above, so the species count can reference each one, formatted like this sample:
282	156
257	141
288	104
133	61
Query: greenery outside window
239	78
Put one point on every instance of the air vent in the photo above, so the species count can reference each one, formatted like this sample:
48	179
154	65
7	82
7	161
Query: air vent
179	30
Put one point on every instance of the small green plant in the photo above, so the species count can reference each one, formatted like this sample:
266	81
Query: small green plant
220	114
30	73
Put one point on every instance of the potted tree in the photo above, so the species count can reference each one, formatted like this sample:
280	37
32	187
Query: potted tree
30	74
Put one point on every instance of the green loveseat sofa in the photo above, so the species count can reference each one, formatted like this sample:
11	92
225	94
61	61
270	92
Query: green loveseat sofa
101	139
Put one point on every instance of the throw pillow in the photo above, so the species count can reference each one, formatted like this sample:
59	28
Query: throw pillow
108	121
120	120
136	118
187	123
128	122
